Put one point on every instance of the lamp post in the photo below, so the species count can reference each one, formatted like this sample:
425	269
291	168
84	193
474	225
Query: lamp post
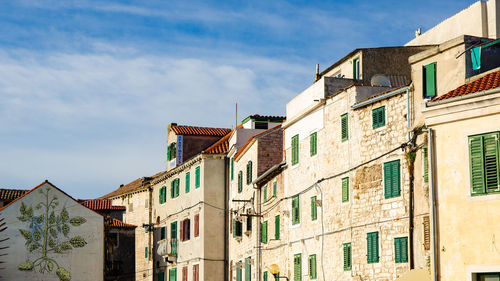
275	271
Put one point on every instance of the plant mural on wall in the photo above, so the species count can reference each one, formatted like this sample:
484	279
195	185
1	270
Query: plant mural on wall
43	238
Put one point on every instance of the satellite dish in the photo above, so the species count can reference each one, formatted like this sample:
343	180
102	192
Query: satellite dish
380	80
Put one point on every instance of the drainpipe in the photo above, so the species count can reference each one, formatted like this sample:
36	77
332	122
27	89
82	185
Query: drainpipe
258	262
411	170
434	223
150	230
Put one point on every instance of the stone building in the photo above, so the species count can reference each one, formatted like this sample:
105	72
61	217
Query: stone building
259	153
189	203
51	237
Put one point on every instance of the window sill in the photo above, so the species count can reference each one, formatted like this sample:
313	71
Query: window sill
483	197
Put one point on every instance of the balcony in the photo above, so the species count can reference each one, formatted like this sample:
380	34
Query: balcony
167	248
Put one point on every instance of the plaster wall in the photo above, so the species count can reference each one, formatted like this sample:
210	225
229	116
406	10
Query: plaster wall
82	263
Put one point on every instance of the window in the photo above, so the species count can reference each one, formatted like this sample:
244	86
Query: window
197	177
425	162
347	256
314	209
171	151
248	269
161	276
238	273
232	168
146	252
163	230
265	193
295	210
174	188
355	68
429	80
240	181
173	230
275	188
196	225
249	172
265	276
372	247
344	127
196	272
392	179
188	181
345	189
484	165
313	147
401	249
378	117
163	194
172	274
263	232
297	267
237	228
295	149
312	267
490	276
185	273
261	125
249	223
185	230
277	227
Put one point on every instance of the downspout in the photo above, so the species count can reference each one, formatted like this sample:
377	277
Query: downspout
226	217
150	229
411	171
258	262
434	223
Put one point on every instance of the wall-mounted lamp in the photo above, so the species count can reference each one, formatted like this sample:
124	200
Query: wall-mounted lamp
275	271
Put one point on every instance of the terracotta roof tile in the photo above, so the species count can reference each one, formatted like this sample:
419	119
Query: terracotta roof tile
11	194
130	187
221	146
112	222
487	82
101	205
200	131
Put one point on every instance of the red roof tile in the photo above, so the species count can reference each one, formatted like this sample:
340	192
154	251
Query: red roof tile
221	146
101	205
487	82
200	131
112	222
11	194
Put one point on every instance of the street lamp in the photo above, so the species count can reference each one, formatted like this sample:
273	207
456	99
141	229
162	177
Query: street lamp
275	271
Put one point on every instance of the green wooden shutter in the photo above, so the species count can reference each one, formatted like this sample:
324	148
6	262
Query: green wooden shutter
313	144
429	80
312	267
476	165
265	276
263	230
161	276
295	149
177	187
314	208
164	194
297	267
378	117
295	210
347	256
425	163
345	189
277	227
265	193
188	179
249	172
491	165
392	179
275	188
232	168
173	230
344	127
240	182
146	250
238	274
169	153
248	270
172	274
401	249
172	189
197	177
355	69
372	247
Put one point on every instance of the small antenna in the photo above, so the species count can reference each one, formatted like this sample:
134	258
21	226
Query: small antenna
236	116
316	77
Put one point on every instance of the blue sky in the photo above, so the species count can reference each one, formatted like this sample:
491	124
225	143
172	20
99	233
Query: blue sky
88	88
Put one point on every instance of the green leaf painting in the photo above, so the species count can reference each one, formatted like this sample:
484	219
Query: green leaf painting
48	235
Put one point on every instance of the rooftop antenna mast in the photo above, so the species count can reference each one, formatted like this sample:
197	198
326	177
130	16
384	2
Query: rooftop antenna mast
236	116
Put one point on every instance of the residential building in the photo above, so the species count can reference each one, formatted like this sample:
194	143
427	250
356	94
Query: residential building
252	152
51	236
189	206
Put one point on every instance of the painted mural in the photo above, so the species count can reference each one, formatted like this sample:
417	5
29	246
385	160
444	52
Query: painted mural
48	235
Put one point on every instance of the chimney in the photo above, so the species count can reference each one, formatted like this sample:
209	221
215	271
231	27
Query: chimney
316	77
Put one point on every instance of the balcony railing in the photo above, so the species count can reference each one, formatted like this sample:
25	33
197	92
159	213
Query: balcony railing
167	248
